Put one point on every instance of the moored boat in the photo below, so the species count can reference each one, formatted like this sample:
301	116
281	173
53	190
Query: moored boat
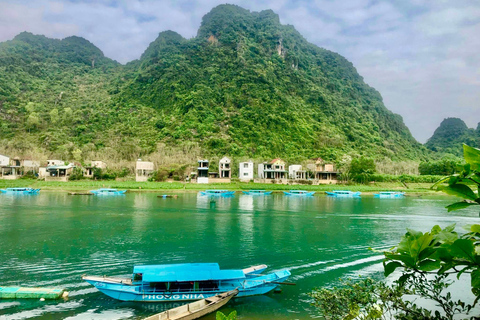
187	281
108	191
196	309
258	192
32	293
217	193
389	194
299	193
20	191
343	193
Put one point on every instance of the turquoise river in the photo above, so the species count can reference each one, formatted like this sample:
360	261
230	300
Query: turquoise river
52	239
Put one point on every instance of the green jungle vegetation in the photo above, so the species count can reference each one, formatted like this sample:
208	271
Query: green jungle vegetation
450	135
246	86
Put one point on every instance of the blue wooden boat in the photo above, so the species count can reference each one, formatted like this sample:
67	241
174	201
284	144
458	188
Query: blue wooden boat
107	191
299	193
389	194
217	193
258	192
187	281
343	193
20	191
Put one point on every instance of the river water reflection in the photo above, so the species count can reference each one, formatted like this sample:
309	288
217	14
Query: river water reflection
52	239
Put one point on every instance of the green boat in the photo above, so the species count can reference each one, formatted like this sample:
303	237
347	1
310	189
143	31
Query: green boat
32	293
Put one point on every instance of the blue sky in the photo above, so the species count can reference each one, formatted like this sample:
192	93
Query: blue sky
423	56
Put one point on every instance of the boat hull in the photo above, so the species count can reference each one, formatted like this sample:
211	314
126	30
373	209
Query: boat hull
344	195
110	193
125	291
253	193
25	191
389	196
306	194
196	309
219	194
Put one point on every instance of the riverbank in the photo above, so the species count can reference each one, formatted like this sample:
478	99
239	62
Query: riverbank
133	186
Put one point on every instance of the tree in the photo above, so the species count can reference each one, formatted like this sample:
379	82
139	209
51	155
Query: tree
361	169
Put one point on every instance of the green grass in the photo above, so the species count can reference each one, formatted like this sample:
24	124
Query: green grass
83	185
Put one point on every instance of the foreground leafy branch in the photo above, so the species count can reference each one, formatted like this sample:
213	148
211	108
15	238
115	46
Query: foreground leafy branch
427	262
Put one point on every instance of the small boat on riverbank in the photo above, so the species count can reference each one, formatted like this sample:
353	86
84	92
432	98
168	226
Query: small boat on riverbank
32	293
196	309
20	191
258	192
165	196
389	194
299	193
217	193
343	193
107	191
187	281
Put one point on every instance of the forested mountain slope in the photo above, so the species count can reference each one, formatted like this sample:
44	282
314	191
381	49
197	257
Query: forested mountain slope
245	86
451	135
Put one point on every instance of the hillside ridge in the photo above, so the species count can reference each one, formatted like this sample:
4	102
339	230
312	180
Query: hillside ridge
246	86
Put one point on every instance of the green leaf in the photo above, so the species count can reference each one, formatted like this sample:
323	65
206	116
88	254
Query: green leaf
460	205
220	316
472	156
436	229
459	190
232	315
429	265
390	267
475	279
475	228
450	228
463	249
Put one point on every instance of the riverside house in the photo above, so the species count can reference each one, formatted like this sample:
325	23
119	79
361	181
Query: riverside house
225	168
143	170
295	172
273	170
59	172
202	171
245	169
7	172
88	172
325	173
15	168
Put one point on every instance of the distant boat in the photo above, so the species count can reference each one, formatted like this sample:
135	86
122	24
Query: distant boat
389	194
343	193
299	193
196	309
32	293
187	281
217	193
107	191
258	192
20	191
164	196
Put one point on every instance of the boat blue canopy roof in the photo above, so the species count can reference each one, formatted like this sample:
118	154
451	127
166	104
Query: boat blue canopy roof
186	272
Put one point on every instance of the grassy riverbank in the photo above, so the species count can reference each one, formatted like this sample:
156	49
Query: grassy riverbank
84	185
